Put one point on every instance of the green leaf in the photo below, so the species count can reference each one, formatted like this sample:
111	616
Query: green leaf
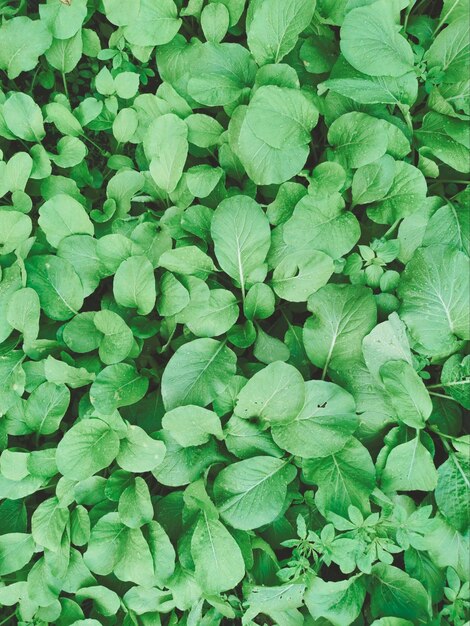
22	41
135	506
342	316
298	276
151	25
452	491
274	133
23	116
117	340
251	493
62	216
407	392
409	467
115	386
275	393
344	478
275	28
397	594
455	378
88	447
23	313
16	550
45	408
218	561
242	237
192	425
107	602
371	43
134	284
63	20
55	281
338	602
197	373
434	290
324	424
166	147
138	452
358	139
320	223
48	523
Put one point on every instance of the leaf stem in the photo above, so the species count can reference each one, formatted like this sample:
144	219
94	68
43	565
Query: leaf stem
7	619
64	82
441	395
449	384
391	229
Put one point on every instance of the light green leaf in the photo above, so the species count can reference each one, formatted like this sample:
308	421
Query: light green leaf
138	452
338	602
275	28
45	407
251	493
166	147
88	447
242	237
407	393
22	41
16	550
434	292
358	139
218	561
192	425
409	467
371	43
197	373
323	425
276	394
115	386
62	216
22	115
394	592
134	284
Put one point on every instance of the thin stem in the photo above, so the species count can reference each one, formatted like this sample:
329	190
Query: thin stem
441	395
102	152
7	619
450	384
391	229
444	18
66	89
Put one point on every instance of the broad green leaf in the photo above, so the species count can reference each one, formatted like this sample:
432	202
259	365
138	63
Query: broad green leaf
15	227
192	425
273	137
197	373
371	43
63	20
300	275
275	393
251	493
45	408
397	594
449	225
23	117
16	550
106	601
409	467
166	147
372	182
338	602
452	491
241	235
135	506
455	378
115	386
138	452
48	523
153	24
58	286
358	139
449	52
323	425
23	313
88	447
218	561
434	292
275	28
322	224
407	393
342	316
22	41
62	216
386	342
134	284
117	340
344	478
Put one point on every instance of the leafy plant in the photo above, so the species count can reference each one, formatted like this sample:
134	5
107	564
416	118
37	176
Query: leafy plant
234	313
